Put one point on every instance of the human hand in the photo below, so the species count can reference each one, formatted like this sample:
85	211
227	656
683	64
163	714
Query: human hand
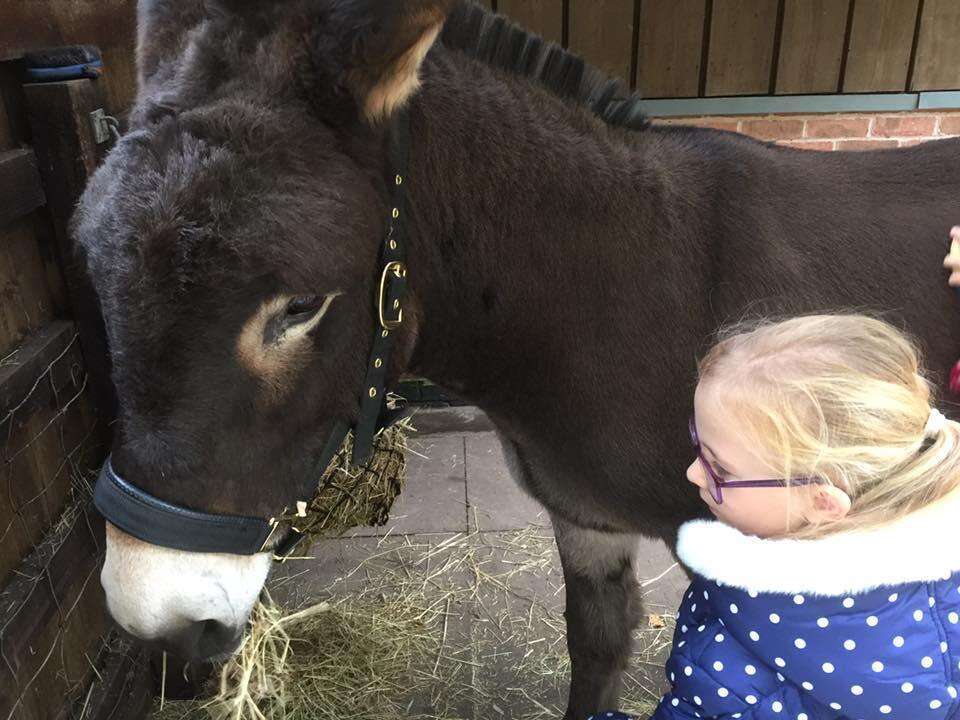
952	261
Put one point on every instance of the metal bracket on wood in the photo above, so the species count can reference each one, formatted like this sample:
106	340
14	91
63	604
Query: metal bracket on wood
104	126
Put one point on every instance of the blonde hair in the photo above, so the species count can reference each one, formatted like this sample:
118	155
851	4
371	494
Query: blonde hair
842	398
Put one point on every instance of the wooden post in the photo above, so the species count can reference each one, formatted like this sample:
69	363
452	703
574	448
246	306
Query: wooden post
67	155
126	689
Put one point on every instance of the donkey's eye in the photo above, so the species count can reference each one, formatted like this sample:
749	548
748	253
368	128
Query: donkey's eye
301	308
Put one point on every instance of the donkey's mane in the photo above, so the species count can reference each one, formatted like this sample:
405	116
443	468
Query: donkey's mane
496	41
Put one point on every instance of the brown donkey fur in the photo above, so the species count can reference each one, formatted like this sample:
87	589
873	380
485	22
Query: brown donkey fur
565	270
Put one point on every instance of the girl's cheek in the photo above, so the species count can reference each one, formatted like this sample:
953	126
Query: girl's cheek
695	474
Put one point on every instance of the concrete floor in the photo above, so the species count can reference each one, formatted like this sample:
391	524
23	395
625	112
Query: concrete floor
485	547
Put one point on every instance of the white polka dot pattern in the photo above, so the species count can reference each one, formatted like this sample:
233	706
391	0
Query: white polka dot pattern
863	655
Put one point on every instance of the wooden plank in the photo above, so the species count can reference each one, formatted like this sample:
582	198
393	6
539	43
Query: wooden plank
27	25
741	47
544	17
120	77
46	243
13	130
937	64
41	459
880	41
124	687
602	32
43	365
20	188
27	300
68	155
811	49
671	40
6	126
55	587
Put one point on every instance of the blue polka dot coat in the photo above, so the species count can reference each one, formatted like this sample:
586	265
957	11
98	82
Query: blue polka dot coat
856	625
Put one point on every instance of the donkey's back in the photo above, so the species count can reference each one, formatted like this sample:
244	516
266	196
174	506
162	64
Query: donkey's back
797	231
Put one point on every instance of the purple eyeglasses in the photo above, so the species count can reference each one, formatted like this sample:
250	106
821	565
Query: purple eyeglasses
715	483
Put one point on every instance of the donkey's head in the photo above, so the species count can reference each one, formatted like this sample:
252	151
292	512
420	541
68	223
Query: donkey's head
232	237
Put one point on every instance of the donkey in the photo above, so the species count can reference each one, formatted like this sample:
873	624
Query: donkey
567	262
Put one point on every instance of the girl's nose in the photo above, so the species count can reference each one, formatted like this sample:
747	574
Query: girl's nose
695	474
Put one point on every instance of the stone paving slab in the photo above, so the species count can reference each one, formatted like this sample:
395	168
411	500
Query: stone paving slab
495	501
459	420
434	498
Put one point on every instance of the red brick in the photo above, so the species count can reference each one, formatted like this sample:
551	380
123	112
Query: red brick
865	144
731	125
905	126
810	144
773	129
720	123
950	125
838	127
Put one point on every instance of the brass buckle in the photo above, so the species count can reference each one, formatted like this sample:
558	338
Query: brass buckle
399	270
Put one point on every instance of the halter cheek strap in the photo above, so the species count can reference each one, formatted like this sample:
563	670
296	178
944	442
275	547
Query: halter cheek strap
161	523
391	288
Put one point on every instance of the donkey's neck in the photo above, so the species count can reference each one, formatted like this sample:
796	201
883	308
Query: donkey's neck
532	222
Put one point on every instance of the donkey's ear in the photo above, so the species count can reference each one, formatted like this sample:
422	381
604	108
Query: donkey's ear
162	26
371	51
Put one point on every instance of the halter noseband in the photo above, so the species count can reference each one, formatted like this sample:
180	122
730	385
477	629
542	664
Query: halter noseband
161	523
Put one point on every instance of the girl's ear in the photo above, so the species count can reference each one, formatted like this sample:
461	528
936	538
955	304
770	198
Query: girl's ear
827	504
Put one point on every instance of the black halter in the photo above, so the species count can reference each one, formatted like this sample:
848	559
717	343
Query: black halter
161	523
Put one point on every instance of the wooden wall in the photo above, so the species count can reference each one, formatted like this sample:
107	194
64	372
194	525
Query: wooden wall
27	25
707	48
52	412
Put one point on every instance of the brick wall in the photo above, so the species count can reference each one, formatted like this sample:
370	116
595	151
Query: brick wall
841	131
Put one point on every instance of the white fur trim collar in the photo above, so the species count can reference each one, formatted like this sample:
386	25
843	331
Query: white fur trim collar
921	547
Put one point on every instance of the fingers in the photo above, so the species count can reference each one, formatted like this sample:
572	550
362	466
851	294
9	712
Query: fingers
952	261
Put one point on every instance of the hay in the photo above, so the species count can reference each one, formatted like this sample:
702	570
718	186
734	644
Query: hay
469	625
349	496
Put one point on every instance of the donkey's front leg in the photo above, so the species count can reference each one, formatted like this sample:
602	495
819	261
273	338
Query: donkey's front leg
603	608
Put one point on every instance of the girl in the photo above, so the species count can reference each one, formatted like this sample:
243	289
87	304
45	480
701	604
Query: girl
835	593
829	586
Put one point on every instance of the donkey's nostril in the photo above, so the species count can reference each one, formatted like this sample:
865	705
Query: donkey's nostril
214	639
